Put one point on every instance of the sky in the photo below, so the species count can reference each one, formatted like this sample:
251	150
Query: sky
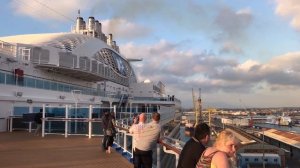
241	53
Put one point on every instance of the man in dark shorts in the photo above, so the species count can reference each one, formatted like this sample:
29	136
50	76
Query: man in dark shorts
194	147
38	120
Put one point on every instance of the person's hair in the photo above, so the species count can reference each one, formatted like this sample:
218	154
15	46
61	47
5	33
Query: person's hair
142	117
224	137
201	131
112	114
156	116
41	110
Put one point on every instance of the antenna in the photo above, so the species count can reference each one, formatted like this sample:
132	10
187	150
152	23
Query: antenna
78	12
197	107
200	107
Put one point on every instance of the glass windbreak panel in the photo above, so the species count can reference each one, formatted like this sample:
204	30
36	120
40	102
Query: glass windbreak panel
55	112
53	86
67	88
97	128
60	87
2	77
121	139
72	87
36	109
20	110
55	127
79	112
129	143
47	85
79	124
30	82
18	123
39	84
20	81
10	79
78	127
97	113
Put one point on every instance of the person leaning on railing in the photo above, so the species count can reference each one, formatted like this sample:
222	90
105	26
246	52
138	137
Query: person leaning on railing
221	154
145	137
194	147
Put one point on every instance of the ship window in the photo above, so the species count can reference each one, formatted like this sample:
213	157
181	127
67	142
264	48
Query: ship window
53	86
67	88
2	77
39	84
20	110
47	85
275	160
256	159
10	79
247	159
30	82
60	87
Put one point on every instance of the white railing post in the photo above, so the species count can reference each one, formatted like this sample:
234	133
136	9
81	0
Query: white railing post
90	121
43	121
125	141
157	155
30	123
66	121
11	124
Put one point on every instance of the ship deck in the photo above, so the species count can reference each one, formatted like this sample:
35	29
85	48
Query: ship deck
23	150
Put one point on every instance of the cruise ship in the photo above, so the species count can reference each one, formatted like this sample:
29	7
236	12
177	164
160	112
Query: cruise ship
279	120
79	69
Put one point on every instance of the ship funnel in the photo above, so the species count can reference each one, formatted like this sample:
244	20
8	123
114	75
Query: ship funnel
79	24
110	40
84	25
98	28
91	25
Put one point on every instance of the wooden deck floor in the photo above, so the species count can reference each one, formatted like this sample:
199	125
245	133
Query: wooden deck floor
24	150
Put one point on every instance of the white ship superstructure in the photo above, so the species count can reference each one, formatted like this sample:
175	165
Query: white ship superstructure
279	120
83	67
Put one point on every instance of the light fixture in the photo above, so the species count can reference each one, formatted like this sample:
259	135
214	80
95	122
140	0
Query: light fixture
18	94
62	97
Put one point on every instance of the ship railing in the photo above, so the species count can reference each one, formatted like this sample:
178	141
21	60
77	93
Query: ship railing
7	48
123	144
83	122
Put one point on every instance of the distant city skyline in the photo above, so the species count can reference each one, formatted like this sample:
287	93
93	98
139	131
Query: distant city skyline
240	53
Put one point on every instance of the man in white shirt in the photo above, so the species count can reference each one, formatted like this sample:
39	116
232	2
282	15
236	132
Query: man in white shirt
145	137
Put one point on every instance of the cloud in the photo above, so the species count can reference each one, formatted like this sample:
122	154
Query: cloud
291	10
44	10
229	47
183	70
233	24
124	29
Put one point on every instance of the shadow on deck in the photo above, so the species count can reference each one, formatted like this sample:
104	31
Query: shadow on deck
23	150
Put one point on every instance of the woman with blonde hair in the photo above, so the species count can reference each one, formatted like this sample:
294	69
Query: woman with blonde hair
219	155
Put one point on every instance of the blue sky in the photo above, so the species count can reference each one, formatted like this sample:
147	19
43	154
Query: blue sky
241	53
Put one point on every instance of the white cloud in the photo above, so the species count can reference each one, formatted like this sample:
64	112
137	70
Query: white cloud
230	47
290	9
44	10
125	29
182	71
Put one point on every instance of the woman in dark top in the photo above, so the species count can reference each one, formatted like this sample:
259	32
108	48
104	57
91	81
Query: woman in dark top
109	131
